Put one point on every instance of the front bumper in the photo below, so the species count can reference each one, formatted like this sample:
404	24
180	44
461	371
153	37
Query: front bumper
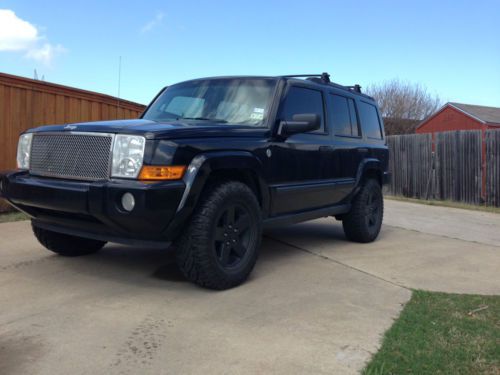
93	209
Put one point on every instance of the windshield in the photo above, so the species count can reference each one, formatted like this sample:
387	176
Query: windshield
238	101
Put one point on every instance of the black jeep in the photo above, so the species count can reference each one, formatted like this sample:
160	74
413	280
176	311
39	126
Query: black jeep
206	167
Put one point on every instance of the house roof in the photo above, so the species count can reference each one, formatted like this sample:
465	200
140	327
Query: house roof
481	113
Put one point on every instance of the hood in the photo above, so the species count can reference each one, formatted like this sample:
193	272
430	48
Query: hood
158	130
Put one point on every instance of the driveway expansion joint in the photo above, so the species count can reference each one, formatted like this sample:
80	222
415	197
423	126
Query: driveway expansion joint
439	235
338	262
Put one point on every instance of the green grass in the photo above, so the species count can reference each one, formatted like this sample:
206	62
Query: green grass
451	204
436	335
12	216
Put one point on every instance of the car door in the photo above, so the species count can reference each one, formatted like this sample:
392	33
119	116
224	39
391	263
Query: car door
301	165
349	148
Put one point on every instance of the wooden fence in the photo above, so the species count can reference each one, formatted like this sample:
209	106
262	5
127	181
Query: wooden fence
462	166
27	103
493	168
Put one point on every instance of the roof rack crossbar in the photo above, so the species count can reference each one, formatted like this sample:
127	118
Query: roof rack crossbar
356	88
325	77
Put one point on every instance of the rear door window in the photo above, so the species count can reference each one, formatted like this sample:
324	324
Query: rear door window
344	119
369	120
354	118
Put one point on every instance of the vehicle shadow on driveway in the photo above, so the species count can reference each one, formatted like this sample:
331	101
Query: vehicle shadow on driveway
324	231
128	264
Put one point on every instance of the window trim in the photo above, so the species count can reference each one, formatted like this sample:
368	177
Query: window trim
347	98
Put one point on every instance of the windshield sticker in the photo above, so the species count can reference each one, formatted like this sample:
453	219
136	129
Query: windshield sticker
256	116
258	110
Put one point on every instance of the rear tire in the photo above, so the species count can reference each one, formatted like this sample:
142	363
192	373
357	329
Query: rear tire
363	222
219	248
66	245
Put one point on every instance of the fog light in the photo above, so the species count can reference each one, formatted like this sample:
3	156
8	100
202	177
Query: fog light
128	202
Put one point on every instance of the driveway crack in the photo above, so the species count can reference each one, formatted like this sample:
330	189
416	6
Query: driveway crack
440	235
337	262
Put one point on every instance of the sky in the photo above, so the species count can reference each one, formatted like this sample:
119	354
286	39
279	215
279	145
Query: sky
450	47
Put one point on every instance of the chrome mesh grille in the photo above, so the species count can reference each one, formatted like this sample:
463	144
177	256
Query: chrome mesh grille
80	156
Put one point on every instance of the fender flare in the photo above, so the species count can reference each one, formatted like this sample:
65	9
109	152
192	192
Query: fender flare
203	165
366	165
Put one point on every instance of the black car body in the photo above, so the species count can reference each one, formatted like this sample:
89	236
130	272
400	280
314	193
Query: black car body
295	173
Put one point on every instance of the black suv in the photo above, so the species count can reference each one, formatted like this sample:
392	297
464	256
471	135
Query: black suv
209	164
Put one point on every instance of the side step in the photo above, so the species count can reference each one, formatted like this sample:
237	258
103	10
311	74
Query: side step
305	216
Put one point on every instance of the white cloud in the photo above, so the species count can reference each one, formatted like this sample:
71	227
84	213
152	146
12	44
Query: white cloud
15	33
45	53
19	35
157	20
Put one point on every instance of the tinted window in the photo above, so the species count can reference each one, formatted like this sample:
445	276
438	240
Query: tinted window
354	118
344	118
369	120
300	100
341	119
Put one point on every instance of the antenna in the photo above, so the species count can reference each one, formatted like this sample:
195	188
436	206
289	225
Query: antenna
119	82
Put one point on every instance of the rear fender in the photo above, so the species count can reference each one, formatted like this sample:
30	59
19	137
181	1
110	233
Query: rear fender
369	166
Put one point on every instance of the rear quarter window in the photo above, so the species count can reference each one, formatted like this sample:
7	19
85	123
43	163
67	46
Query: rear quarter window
369	120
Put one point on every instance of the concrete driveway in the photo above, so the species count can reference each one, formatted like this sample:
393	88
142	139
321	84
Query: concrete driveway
314	304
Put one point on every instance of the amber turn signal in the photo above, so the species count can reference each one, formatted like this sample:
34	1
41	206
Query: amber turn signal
160	173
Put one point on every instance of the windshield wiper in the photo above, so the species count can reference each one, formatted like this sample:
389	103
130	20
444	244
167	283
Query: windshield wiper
202	119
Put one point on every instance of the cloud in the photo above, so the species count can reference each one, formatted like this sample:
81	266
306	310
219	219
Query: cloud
157	20
18	35
45	53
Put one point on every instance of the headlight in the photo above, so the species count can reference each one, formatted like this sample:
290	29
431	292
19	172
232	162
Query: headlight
24	150
128	153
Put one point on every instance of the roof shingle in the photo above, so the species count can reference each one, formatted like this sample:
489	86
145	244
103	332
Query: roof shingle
489	115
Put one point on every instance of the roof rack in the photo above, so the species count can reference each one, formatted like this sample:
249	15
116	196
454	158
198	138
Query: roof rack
324	78
356	88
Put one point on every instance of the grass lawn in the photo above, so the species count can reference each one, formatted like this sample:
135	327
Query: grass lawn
12	216
435	334
452	204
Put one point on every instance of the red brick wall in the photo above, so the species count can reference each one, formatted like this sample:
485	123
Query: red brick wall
450	119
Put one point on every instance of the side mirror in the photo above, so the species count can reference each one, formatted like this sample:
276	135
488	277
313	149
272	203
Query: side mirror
301	123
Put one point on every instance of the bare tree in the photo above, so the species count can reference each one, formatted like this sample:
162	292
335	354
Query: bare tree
403	104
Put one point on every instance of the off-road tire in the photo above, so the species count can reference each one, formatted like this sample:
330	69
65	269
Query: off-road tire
363	222
66	245
197	250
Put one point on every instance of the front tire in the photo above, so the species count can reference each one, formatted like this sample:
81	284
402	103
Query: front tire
66	245
219	248
363	222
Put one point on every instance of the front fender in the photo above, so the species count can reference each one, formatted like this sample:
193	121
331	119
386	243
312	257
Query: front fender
203	165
